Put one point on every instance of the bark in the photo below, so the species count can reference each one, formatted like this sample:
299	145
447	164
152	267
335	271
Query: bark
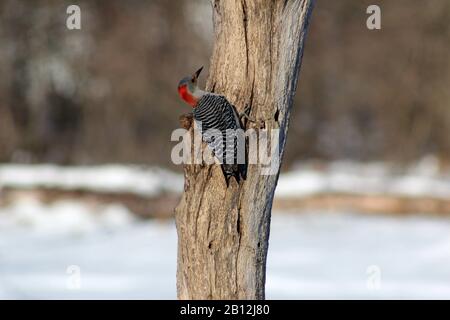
223	232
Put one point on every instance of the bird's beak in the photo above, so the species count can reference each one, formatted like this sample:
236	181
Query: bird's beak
197	73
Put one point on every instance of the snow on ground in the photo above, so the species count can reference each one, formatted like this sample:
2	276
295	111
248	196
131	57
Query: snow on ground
104	178
323	255
62	217
421	179
117	255
311	255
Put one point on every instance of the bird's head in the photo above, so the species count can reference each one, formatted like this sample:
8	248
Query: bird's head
188	88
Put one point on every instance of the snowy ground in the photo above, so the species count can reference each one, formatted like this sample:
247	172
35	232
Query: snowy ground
311	255
71	249
425	178
139	180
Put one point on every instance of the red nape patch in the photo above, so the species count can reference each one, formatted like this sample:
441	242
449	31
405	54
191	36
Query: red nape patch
186	96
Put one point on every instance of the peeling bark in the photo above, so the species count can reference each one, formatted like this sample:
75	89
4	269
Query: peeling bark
223	232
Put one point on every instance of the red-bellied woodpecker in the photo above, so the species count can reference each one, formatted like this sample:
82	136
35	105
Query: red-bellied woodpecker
220	126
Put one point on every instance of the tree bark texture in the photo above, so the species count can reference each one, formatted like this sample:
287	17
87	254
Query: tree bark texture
223	232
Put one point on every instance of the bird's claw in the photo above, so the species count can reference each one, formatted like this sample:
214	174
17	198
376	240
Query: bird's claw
245	114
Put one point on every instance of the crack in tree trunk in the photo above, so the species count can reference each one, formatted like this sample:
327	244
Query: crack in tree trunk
223	232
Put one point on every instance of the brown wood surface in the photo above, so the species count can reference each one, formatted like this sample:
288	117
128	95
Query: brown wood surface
223	232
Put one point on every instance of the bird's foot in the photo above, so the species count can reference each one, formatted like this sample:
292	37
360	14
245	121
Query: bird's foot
245	114
259	122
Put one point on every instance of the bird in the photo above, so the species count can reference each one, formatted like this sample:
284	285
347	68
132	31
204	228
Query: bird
214	111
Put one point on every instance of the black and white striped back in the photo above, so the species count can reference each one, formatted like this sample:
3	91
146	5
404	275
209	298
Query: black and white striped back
215	112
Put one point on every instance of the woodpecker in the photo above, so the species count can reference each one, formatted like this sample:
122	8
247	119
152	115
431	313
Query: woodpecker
213	111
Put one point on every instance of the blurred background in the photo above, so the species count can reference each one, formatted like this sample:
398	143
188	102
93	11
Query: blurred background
87	186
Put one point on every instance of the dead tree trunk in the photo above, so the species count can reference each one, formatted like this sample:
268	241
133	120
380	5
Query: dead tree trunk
223	232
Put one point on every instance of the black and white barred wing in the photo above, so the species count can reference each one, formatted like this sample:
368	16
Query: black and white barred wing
219	125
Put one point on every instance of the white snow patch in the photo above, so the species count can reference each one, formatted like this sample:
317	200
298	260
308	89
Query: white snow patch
327	256
312	255
62	217
421	179
105	178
